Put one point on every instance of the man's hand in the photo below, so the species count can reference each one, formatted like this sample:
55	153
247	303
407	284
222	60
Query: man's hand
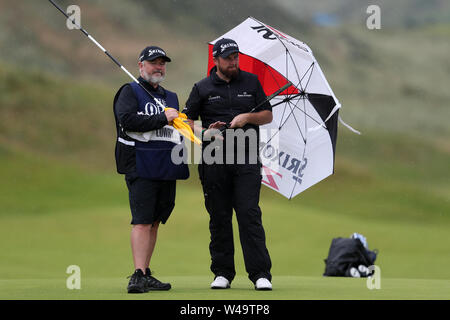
217	125
213	130
239	121
170	114
258	118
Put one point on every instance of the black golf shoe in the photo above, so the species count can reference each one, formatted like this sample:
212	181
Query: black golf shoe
155	284
137	283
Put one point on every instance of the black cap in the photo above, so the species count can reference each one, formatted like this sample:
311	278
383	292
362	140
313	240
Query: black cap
152	52
224	47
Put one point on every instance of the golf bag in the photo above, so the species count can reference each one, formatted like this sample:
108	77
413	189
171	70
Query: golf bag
348	257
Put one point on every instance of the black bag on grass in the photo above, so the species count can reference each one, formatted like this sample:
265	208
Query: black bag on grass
345	254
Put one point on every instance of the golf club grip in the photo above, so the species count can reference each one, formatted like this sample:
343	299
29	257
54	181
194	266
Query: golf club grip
225	127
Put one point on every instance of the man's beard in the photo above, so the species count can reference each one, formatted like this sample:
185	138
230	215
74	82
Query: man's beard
230	74
152	78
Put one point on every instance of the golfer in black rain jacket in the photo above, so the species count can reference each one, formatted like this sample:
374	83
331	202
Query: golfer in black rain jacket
227	96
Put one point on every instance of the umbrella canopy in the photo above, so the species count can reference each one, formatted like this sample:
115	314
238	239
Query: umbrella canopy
298	147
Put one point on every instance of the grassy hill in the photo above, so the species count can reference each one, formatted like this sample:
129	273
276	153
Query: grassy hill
400	13
400	75
62	203
37	36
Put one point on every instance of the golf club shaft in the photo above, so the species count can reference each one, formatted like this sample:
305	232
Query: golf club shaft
107	53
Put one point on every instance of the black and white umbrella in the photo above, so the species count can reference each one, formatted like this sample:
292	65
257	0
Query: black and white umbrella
298	147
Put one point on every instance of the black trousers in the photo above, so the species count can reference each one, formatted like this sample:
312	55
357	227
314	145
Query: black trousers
228	187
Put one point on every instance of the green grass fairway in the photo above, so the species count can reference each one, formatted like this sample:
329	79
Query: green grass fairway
52	224
196	288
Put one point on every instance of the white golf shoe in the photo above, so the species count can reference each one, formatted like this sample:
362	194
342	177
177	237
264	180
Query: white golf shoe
220	283
263	284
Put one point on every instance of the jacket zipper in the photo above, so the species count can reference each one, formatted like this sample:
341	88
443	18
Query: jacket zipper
229	98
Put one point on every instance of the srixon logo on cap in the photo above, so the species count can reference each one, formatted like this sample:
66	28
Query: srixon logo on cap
154	51
225	46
